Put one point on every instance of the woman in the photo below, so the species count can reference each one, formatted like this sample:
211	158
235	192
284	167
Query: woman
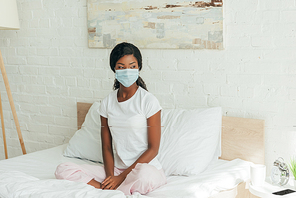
130	119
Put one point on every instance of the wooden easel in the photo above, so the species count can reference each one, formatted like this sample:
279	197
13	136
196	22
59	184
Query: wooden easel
3	71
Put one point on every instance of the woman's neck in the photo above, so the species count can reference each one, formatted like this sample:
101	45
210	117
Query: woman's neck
125	93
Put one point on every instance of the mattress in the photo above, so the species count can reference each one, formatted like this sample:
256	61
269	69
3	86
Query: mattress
32	175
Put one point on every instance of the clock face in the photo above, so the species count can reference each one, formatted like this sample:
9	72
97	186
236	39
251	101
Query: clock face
275	175
279	177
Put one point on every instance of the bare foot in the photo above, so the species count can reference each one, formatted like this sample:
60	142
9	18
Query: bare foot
95	184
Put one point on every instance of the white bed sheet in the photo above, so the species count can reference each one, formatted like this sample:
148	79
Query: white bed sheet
40	164
38	169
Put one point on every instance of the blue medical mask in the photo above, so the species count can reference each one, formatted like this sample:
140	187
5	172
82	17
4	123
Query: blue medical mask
127	77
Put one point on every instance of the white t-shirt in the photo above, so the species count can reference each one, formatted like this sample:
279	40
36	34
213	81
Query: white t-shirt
128	125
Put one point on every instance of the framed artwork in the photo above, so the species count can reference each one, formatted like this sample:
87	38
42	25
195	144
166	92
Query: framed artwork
156	24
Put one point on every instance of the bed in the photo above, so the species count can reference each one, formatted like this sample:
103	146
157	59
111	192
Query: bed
241	143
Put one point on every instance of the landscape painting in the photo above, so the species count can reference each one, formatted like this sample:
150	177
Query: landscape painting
156	24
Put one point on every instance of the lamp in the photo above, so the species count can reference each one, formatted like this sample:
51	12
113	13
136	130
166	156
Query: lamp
9	21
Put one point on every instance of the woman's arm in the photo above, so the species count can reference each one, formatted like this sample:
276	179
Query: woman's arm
107	147
154	134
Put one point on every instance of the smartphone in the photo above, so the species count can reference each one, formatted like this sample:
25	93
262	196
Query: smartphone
284	192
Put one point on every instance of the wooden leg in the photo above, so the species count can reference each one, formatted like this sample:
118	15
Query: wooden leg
3	71
3	128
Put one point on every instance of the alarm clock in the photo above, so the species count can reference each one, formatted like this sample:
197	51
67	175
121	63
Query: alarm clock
279	172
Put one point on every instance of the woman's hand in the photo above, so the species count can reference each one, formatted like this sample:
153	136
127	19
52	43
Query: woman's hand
112	182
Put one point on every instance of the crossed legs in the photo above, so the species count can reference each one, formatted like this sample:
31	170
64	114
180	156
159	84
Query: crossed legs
143	178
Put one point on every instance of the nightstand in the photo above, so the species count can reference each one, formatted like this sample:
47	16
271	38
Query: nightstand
267	189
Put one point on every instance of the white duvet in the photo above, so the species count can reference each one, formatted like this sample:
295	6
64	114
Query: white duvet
18	184
221	175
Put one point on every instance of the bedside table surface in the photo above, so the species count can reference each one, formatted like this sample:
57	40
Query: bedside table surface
267	189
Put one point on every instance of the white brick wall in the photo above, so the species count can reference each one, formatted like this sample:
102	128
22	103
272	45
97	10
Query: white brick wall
50	68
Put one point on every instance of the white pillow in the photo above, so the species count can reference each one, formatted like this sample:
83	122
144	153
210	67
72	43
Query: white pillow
86	142
190	140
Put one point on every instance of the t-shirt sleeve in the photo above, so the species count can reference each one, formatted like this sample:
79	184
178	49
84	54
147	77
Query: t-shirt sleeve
102	110
152	106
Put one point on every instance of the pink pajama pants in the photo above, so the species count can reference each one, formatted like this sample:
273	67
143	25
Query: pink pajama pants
143	178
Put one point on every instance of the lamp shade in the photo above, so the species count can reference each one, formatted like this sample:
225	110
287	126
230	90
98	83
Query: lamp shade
8	15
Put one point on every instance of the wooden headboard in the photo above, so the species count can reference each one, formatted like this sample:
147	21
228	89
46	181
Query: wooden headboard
241	137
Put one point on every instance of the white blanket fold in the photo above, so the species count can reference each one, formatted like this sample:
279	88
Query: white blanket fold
15	184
